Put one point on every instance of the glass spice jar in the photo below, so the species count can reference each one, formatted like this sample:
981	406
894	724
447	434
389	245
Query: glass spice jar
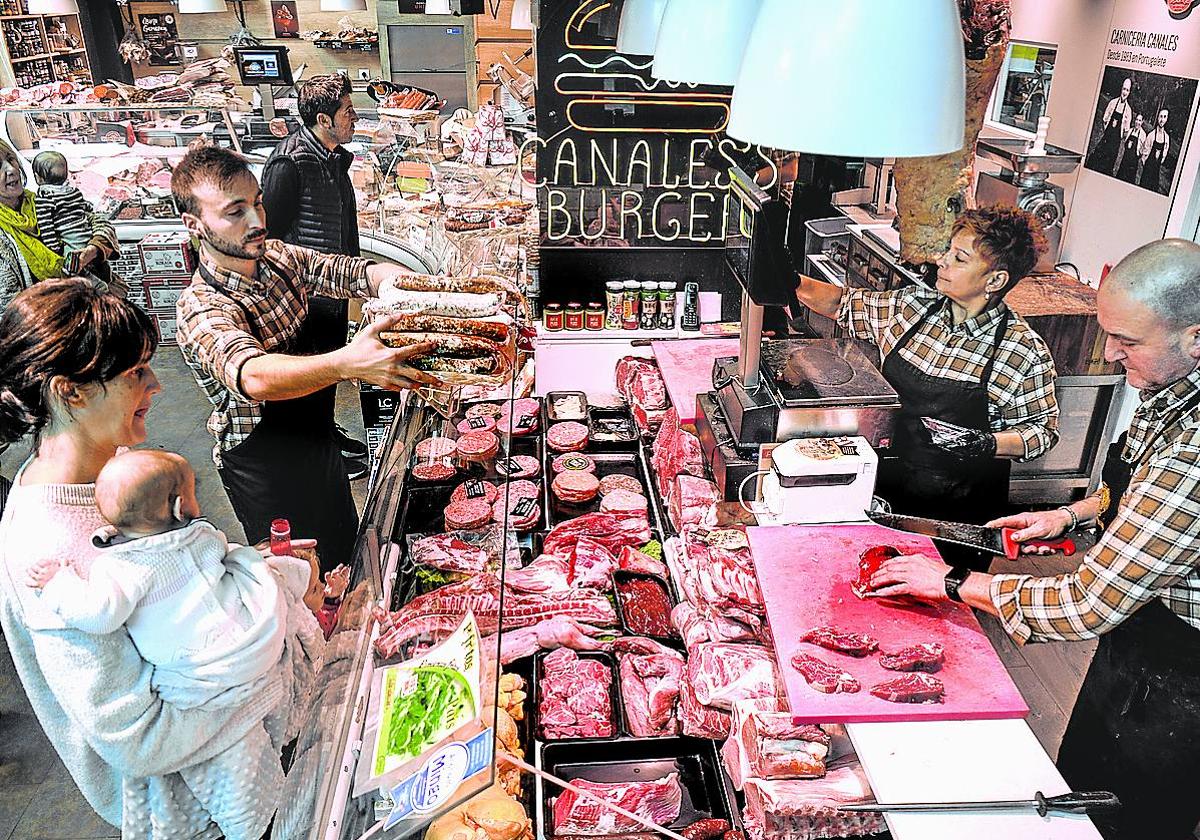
593	318
573	317
552	317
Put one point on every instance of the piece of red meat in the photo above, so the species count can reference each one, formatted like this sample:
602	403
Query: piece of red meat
841	641
448	553
826	678
689	500
659	801
650	682
927	656
911	688
700	721
632	560
574	697
868	564
613	532
591	565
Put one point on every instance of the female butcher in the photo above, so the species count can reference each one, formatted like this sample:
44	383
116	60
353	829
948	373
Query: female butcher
75	374
976	384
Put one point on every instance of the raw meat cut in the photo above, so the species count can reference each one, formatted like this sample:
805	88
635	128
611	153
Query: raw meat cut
613	532
700	721
779	749
567	437
722	673
805	809
448	553
477	424
520	489
632	560
831	638
545	574
477	446
650	678
675	451
659	801
591	565
475	489
521	513
645	605
825	678
927	656
868	564
911	688
518	466
435	447
689	500
707	830
705	624
575	697
624	503
434	471
648	419
468	514
640	382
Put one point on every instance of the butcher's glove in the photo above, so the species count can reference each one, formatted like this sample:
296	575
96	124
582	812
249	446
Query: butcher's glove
959	440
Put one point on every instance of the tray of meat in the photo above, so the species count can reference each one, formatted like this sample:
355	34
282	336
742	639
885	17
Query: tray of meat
577	696
433	560
673	782
564	406
612	430
617	484
644	606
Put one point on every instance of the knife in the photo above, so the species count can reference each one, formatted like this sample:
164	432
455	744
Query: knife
1081	802
994	540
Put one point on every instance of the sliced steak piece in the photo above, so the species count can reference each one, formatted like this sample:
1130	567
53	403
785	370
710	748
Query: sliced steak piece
911	688
826	678
868	564
927	656
840	641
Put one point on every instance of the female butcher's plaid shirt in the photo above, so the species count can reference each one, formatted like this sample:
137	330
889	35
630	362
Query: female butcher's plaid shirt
1021	390
1151	550
217	340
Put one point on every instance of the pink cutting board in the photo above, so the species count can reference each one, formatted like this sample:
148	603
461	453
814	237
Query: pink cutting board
687	369
805	573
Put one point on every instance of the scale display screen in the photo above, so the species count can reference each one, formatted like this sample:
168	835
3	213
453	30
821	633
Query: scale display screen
263	65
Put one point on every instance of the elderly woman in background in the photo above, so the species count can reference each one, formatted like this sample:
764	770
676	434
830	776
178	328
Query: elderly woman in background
24	259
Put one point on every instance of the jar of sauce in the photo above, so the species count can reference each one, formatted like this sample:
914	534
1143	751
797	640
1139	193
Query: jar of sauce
630	305
573	318
552	317
593	318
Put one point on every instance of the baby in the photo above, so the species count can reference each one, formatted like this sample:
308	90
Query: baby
209	616
64	216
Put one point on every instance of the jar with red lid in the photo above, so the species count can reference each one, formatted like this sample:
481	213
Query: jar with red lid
552	317
573	317
593	318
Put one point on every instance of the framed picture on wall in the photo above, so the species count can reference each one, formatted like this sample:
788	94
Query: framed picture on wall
285	18
160	35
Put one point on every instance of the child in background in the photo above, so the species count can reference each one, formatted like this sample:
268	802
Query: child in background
65	217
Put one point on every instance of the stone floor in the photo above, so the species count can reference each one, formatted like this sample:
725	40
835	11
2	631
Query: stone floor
38	798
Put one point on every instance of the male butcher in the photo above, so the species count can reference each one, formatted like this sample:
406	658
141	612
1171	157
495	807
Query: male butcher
244	332
1135	729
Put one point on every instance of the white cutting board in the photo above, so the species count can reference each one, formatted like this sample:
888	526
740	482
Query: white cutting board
958	761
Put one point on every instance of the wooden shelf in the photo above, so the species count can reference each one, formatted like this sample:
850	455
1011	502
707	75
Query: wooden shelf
32	58
20	17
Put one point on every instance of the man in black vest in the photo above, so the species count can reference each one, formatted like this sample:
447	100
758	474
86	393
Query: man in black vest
310	202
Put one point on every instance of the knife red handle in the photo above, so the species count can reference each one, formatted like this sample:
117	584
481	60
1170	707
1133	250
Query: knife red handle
1012	548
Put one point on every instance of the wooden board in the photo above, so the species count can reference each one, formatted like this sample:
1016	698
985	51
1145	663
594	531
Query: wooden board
687	369
805	574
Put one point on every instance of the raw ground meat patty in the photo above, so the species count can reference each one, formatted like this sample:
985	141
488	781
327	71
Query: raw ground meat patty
436	471
520	490
572	461
519	466
433	448
567	437
482	410
619	481
575	487
624	503
467	515
476	424
477	446
475	489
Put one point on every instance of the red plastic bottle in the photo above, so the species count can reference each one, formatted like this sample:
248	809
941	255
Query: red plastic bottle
281	536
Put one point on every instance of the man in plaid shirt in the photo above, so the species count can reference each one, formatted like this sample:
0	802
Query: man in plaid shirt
1135	728
243	330
976	384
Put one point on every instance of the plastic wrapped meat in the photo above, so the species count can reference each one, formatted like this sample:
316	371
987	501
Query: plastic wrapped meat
575	697
725	574
689	500
806	809
659	801
591	565
650	681
763	743
722	673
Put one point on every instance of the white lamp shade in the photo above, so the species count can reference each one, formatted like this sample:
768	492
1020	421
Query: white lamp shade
192	7
521	15
638	29
343	5
859	78
53	7
437	7
702	41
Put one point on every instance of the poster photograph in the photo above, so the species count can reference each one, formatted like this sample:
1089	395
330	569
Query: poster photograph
285	18
1139	127
160	35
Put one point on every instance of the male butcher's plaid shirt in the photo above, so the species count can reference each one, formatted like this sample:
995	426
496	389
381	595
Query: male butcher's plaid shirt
1150	550
1021	390
216	339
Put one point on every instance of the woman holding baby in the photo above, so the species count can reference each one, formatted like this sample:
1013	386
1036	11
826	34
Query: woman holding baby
74	372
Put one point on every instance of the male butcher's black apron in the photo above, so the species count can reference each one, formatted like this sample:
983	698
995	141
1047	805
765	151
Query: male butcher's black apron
924	480
1104	156
1152	168
291	466
1135	728
1127	169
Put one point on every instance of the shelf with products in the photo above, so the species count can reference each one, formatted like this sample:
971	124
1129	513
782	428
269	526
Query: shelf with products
29	38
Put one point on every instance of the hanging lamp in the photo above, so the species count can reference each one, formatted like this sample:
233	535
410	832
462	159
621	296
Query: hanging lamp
702	41
857	78
193	7
343	5
53	7
638	30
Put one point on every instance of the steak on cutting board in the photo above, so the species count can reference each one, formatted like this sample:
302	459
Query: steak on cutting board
927	656
841	641
911	688
825	678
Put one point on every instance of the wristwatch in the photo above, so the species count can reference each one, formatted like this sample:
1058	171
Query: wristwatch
954	579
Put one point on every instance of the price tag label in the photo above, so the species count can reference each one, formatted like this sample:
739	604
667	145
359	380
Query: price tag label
477	423
729	539
526	422
475	489
508	466
524	508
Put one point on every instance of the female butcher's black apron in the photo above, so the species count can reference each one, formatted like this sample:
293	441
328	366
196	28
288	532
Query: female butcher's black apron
1135	728
1104	157
1152	168
291	465
1127	169
924	480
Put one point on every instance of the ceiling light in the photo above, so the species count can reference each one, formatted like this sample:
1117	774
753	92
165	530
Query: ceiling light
702	41
53	7
343	5
638	30
858	78
437	7
190	7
